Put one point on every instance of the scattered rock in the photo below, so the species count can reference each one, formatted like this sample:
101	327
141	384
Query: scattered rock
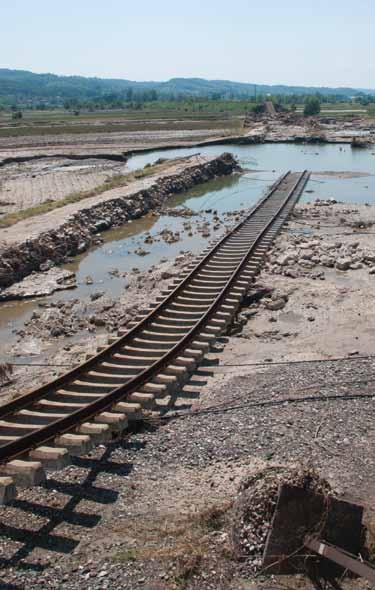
343	263
141	252
96	295
255	505
40	284
75	235
291	273
47	265
327	261
284	259
275	305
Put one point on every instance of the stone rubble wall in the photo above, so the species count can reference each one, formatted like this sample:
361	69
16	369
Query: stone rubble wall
76	235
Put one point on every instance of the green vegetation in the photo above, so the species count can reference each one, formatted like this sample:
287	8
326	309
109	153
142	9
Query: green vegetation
312	106
28	90
45	104
29	105
191	113
167	115
257	109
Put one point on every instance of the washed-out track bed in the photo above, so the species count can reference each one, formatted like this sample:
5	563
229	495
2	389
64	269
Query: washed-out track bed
148	362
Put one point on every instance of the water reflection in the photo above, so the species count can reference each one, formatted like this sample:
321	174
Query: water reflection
264	164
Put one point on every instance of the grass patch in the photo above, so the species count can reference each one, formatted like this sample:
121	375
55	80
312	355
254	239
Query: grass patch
118	181
128	555
183	542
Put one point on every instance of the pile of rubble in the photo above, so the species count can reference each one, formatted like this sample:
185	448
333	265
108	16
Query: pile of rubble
307	254
254	507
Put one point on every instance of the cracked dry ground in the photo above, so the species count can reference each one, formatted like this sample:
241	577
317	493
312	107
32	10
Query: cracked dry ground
153	510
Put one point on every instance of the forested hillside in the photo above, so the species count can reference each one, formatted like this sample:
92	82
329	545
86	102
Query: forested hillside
18	87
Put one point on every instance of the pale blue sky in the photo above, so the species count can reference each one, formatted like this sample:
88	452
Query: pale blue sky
309	42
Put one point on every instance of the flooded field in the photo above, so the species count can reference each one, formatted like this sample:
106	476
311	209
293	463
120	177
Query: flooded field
358	187
339	172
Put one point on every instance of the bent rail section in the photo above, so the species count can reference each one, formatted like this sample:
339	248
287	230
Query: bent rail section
159	352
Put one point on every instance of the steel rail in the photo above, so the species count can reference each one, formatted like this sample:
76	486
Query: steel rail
71	420
39	392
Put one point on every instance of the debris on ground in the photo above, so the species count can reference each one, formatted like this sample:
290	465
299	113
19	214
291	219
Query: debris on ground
254	508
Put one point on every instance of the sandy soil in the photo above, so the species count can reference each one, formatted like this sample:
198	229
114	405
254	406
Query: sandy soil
153	510
32	183
113	142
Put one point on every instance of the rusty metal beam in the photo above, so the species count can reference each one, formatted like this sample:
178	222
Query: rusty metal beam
346	560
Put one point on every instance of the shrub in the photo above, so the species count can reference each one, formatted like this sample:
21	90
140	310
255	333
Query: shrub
258	109
312	106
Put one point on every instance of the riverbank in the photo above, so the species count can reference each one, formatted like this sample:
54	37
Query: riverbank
69	230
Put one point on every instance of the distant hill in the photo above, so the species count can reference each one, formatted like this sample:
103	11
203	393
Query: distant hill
23	87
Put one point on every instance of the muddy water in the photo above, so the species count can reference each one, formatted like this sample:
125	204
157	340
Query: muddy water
105	266
264	164
284	156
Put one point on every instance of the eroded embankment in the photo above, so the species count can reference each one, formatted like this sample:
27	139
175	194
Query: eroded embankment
74	157
73	234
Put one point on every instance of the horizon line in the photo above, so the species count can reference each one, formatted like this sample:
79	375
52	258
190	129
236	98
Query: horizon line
96	77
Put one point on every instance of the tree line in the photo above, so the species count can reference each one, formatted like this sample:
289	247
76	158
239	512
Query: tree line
135	99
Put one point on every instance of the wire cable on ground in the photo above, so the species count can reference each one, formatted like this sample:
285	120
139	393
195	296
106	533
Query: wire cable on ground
227	407
36	364
300	361
249	364
264	363
348	234
292	220
312	221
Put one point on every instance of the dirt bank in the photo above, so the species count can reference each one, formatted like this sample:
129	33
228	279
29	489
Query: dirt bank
112	142
70	230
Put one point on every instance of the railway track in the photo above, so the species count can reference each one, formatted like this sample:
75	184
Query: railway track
145	364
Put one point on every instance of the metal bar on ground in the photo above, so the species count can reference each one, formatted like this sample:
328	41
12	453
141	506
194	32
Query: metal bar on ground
346	560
